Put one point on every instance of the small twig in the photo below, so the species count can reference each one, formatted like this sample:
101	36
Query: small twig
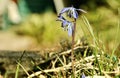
54	62
64	74
23	68
64	59
112	72
46	71
69	51
60	60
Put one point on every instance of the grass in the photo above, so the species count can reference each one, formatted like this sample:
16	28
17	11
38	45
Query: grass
94	41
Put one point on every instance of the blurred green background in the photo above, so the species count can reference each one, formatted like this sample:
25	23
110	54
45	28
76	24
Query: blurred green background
38	21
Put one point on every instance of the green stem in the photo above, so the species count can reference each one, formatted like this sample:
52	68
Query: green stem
72	53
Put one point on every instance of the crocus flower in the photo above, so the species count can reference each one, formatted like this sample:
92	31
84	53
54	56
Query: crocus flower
71	12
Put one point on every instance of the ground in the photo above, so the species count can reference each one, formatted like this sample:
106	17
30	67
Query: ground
11	41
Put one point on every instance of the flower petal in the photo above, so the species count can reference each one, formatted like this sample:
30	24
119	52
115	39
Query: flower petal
69	13
70	29
64	23
81	10
72	13
64	10
75	14
60	18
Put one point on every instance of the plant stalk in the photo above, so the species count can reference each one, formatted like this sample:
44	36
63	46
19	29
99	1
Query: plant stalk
72	53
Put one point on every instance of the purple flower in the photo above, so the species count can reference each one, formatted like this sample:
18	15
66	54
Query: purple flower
71	12
67	25
83	75
70	29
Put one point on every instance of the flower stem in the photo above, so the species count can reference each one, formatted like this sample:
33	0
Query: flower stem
72	53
